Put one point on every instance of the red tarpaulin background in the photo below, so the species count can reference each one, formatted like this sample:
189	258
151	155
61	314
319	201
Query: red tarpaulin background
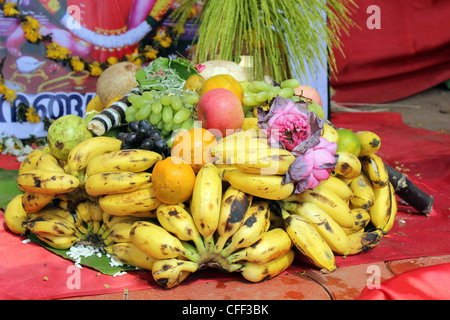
408	54
422	154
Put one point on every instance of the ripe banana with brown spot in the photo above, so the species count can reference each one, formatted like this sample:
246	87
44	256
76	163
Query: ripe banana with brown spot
362	219
175	219
361	242
258	272
130	160
50	224
206	201
329	202
384	210
226	151
308	241
30	161
330	133
267	161
116	182
171	272
118	233
263	186
232	213
49	182
49	162
72	216
273	244
85	151
256	223
373	166
338	186
127	253
363	194
15	215
158	242
326	226
370	142
141	200
58	242
33	202
348	165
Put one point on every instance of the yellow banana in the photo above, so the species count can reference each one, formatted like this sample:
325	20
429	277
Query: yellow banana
141	200
158	242
118	233
205	202
50	182
171	272
363	194
329	202
227	148
328	229
264	161
33	202
15	215
85	151
370	142
49	162
363	241
58	242
50	224
250	124
109	220
232	212
258	272
176	220
263	186
384	208
362	219
71	216
116	182
273	244
330	133
130	160
30	161
306	239
338	186
256	223
82	210
129	254
376	171
348	165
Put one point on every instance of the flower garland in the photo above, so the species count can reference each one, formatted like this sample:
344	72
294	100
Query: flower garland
143	53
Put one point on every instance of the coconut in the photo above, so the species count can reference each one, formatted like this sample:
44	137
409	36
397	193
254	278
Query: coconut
116	81
65	133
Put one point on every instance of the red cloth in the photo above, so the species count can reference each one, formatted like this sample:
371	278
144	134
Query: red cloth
422	154
427	283
408	54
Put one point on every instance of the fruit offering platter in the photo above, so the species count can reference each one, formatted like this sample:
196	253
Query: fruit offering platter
184	168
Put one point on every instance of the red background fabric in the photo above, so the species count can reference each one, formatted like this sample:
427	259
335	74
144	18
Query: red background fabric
408	54
422	154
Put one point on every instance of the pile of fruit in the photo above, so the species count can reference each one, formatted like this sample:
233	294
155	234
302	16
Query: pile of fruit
172	197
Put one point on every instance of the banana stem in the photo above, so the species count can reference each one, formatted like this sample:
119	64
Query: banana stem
209	243
189	253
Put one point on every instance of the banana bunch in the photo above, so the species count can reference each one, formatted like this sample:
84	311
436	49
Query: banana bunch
260	168
346	214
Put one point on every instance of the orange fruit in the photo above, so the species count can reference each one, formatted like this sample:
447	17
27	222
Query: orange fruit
224	81
194	147
173	180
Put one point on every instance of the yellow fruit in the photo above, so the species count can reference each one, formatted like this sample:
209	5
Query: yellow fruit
194	83
224	81
348	141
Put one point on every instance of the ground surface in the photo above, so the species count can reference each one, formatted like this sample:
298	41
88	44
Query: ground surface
429	109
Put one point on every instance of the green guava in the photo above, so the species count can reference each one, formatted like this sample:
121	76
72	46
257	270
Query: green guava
65	133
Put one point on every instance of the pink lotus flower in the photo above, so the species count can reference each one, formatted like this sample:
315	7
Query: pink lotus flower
290	125
313	166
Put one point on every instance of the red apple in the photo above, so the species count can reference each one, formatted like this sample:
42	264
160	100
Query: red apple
220	111
308	92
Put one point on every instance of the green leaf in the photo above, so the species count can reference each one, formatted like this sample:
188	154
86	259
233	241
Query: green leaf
8	186
100	264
